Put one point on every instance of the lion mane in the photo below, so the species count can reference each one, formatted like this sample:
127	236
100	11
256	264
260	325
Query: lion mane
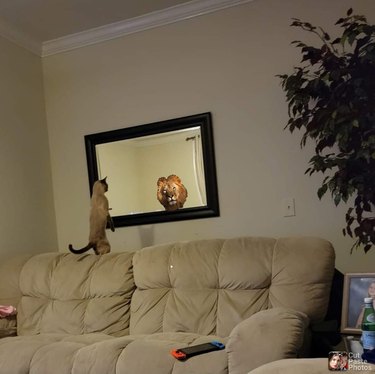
171	193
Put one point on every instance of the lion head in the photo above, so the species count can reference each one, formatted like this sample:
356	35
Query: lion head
171	192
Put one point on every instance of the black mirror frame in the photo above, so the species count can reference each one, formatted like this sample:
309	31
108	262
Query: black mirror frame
202	120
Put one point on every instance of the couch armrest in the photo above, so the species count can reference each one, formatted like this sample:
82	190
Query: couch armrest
266	336
8	326
10	293
10	270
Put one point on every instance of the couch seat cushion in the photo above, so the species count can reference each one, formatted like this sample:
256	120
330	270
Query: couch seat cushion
104	354
45	353
145	354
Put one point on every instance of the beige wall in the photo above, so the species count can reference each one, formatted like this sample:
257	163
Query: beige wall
27	217
225	63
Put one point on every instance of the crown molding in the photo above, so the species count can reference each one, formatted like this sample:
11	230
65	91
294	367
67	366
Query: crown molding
163	17
20	38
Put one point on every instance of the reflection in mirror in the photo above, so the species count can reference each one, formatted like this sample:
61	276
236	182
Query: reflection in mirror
134	160
133	167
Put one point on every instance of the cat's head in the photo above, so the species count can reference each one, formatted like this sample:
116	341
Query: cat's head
104	183
100	186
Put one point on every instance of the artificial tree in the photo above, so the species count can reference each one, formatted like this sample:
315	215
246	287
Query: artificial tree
331	97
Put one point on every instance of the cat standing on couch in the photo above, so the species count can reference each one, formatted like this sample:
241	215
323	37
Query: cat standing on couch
99	218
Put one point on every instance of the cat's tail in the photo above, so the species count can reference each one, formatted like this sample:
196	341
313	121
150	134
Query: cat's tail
82	250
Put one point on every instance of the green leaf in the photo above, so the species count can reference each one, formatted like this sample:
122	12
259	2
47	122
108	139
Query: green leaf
343	39
340	20
349	231
351	38
322	190
367	247
337	199
366	207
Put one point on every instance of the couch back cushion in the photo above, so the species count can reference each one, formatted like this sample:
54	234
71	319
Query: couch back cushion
209	286
76	294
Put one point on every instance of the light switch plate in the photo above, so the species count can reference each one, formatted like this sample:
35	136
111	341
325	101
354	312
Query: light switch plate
289	209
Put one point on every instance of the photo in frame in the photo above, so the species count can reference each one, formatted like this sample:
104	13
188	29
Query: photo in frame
357	286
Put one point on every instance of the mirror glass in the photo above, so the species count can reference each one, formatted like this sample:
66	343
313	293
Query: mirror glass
137	162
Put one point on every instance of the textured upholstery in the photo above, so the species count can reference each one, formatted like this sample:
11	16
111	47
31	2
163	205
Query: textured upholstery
283	330
208	287
62	293
308	366
10	269
123	313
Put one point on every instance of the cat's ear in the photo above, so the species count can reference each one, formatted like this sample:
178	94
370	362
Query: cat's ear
104	180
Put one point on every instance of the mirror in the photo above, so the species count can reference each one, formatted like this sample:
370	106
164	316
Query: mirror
137	162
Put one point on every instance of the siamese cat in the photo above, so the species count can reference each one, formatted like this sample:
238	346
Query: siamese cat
99	218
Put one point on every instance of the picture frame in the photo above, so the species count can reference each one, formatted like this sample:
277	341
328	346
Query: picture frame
129	157
357	286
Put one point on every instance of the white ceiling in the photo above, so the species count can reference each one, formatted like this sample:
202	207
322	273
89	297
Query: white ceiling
46	27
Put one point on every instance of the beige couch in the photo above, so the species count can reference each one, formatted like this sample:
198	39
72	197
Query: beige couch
123	313
311	366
